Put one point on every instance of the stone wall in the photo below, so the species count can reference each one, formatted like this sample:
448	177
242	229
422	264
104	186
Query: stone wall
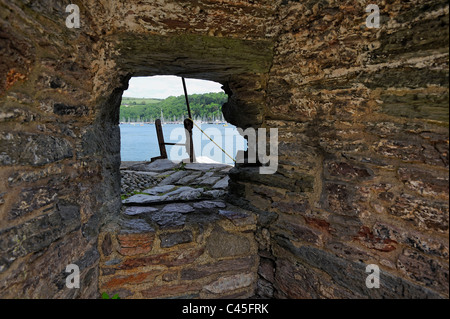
205	255
362	114
363	176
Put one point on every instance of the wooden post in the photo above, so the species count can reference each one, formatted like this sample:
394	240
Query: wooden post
187	99
162	144
188	126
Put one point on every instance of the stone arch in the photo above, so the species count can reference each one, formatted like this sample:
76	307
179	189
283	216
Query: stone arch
378	100
240	66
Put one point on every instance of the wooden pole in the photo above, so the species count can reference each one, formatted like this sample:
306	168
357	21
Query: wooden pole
162	144
187	99
189	125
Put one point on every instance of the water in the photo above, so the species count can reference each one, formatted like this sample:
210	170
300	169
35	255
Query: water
140	143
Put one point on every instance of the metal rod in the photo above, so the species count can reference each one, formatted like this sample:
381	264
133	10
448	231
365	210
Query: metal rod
186	96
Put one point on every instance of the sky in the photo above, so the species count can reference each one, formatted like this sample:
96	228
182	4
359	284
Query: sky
161	87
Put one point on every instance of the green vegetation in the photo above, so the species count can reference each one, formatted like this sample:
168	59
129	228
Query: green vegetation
132	194
203	106
106	296
132	101
182	167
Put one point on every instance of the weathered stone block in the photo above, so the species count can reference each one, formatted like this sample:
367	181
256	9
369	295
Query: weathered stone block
132	211
32	199
346	171
339	199
423	213
292	205
224	244
142	199
425	270
223	266
351	276
425	183
227	284
414	239
171	290
107	245
134	279
172	259
408	150
296	281
344	227
157	166
222	184
136	237
348	251
173	178
177	208
297	183
294	229
267	269
65	109
264	289
158	190
173	239
135	244
135	226
209	204
239	218
37	234
167	220
33	149
170	276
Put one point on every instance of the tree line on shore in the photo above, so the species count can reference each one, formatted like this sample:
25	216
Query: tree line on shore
206	107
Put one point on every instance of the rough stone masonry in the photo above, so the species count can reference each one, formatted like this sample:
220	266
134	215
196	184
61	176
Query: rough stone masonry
362	115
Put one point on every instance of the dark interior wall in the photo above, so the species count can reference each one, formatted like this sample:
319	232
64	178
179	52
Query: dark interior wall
362	117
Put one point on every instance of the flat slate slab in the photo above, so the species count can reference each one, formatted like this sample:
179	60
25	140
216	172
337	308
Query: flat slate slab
142	199
188	179
169	220
178	208
173	178
135	226
222	184
185	193
133	211
141	173
158	190
156	166
238	218
209	204
126	164
210	181
205	167
215	193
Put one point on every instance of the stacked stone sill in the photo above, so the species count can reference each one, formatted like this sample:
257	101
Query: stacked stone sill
180	240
